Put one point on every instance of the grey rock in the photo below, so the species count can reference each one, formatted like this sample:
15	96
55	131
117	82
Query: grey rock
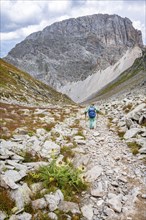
142	150
21	196
52	216
3	215
69	207
39	204
141	119
17	165
143	196
129	122
99	191
93	173
7	182
131	133
110	213
114	202
80	142
53	200
87	211
36	187
49	149
24	216
133	113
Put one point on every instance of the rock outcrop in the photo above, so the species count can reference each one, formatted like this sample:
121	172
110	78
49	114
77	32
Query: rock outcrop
71	50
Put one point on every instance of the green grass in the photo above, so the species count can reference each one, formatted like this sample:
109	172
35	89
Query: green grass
134	147
64	177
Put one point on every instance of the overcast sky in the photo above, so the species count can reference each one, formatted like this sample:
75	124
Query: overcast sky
19	18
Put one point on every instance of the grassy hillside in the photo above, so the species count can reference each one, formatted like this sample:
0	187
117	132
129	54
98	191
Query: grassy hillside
18	86
134	76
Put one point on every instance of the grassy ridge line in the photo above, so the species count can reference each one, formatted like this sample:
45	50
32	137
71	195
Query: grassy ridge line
19	85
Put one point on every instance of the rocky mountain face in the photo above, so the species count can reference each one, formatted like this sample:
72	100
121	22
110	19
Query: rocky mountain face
18	87
72	50
133	77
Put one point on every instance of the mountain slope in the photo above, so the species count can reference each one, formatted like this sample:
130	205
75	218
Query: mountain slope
17	86
82	90
73	49
133	77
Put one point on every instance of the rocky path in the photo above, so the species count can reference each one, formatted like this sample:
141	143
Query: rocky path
116	177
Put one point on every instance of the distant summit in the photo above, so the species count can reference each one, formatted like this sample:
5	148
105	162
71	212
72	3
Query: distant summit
71	50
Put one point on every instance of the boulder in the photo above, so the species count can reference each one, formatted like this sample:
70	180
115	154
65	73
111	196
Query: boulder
132	133
39	204
49	149
69	207
87	211
92	174
53	200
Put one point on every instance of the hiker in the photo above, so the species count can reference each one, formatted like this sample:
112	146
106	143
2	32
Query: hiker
92	113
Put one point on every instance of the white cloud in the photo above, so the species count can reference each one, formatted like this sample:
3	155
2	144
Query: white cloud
59	6
23	17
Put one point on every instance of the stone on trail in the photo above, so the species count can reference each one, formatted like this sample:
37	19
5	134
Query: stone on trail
50	148
92	174
21	196
39	204
53	200
69	207
131	133
98	192
87	211
114	202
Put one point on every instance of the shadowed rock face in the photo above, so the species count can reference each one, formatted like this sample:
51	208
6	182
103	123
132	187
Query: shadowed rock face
73	49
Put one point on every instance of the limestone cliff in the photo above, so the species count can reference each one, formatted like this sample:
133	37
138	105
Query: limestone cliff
71	50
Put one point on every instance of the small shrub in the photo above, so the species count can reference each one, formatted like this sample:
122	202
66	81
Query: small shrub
49	127
127	108
28	208
32	177
134	147
80	133
121	134
41	216
65	177
28	157
109	124
64	216
66	152
31	133
6	203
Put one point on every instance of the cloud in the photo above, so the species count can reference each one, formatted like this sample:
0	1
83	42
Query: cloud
19	18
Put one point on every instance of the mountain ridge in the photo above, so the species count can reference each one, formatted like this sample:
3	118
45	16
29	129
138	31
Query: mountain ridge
73	49
18	87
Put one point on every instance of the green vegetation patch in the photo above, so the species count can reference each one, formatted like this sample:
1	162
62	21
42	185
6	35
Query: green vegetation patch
67	153
6	203
134	147
65	177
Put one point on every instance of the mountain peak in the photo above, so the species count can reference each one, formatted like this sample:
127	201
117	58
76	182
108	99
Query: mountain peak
73	49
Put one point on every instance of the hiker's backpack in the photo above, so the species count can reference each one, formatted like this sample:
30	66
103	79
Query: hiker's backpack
92	112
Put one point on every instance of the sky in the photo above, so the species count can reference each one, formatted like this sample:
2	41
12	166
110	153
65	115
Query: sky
20	18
